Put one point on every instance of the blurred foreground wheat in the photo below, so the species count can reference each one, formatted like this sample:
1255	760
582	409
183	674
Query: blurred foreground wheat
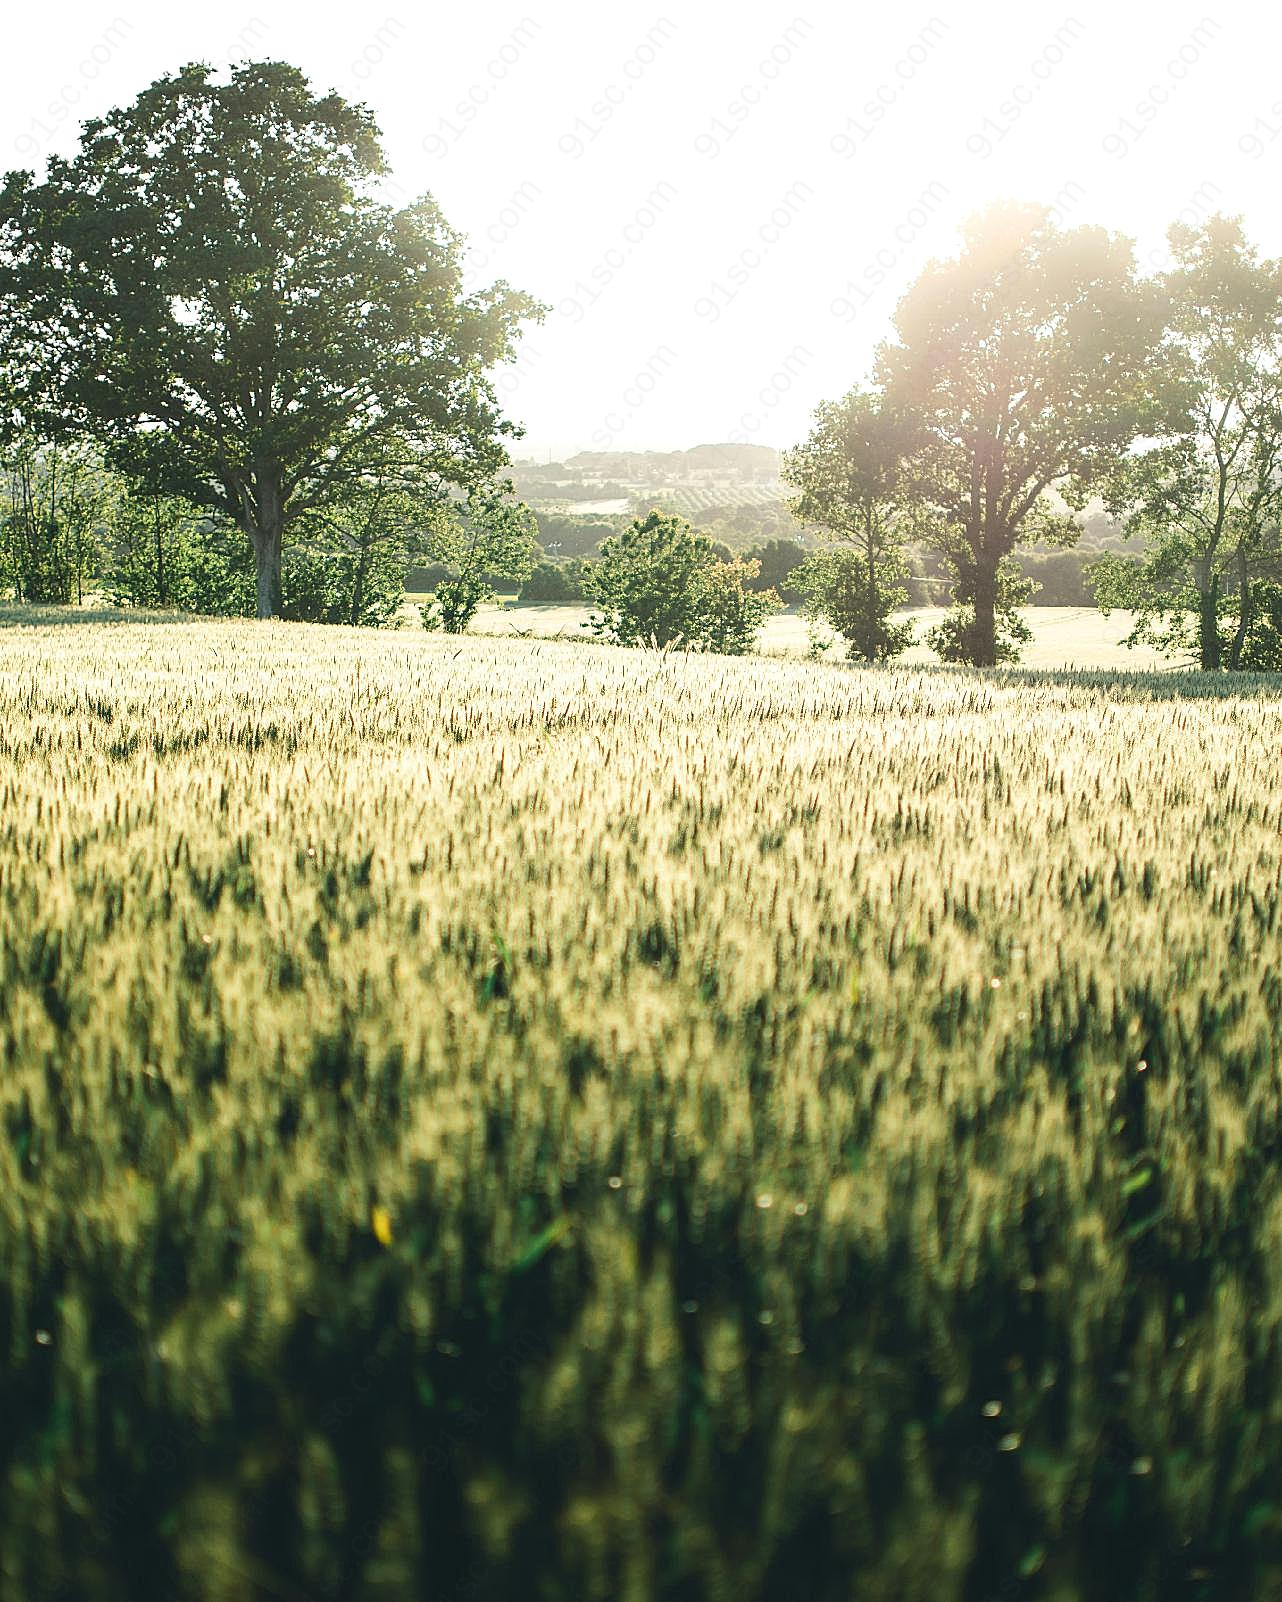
507	1120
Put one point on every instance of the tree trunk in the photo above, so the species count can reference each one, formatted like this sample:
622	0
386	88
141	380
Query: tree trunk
358	586
1243	610
265	533
1208	630
983	643
162	594
267	553
873	619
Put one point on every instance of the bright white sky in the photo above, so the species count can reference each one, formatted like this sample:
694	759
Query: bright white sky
722	205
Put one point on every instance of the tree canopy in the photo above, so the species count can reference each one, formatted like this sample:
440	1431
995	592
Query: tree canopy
1022	365
211	289
1206	492
849	478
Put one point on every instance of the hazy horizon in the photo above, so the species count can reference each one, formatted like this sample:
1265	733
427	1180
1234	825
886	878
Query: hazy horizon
721	222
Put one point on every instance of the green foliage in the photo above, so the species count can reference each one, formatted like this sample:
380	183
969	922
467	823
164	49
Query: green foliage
563	537
960	636
455	602
321	584
1262	652
167	555
491	536
56	507
777	562
839	589
731	608
505	1121
1059	578
1023	365
661	583
211	289
1205	496
750	528
351	558
849	475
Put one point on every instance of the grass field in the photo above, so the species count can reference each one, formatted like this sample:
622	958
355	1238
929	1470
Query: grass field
498	1119
1063	636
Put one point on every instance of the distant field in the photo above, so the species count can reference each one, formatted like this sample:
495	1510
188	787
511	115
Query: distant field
688	501
488	1119
1063	636
582	508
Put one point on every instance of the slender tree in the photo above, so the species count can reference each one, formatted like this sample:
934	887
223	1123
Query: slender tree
1206	495
849	474
1022	366
58	505
490	536
211	288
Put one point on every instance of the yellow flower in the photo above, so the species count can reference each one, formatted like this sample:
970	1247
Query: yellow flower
380	1221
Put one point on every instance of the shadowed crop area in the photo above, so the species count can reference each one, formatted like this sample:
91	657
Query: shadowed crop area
499	1120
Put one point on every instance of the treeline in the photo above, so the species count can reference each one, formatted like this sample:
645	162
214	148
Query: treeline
234	380
1056	578
69	526
1038	361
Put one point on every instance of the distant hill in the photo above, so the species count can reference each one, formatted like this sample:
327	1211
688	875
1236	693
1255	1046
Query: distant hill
701	464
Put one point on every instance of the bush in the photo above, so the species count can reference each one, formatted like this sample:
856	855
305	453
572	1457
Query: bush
168	556
1263	650
840	590
490	541
732	611
660	583
455	603
955	638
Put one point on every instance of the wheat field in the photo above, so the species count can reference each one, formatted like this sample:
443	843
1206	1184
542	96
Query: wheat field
504	1119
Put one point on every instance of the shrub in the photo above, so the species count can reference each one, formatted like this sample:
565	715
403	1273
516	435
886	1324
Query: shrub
957	637
731	613
839	589
455	603
1263	649
489	538
338	585
660	582
166	555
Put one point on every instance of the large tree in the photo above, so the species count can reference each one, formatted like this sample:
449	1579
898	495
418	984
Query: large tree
1021	367
849	478
211	288
1206	494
